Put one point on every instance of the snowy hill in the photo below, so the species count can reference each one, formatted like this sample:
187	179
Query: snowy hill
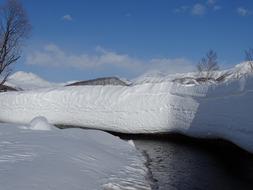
28	81
237	72
212	110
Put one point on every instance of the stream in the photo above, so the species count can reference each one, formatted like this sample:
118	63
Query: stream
181	163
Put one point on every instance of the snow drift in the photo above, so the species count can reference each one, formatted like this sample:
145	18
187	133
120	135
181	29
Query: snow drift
71	159
219	110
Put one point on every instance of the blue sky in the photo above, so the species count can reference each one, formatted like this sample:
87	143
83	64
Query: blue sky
82	39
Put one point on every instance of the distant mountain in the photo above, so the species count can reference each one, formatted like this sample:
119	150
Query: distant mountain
27	81
101	81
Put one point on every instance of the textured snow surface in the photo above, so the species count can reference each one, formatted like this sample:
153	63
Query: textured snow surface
221	110
70	159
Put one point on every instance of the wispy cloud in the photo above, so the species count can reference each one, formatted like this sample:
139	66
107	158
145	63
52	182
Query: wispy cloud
181	9
243	11
217	7
211	2
67	17
53	56
198	9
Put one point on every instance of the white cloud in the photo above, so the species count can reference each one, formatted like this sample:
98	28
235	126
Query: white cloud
243	11
198	9
53	56
67	17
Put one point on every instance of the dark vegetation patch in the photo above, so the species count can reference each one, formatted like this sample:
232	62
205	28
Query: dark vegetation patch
5	88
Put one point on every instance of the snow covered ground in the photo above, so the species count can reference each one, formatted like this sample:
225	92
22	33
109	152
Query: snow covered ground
39	156
153	105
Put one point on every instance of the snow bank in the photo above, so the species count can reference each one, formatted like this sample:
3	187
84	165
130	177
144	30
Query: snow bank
221	110
71	159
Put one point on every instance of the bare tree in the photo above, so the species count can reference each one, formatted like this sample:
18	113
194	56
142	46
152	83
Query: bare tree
249	57
14	28
207	65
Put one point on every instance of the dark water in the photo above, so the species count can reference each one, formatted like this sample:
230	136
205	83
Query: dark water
184	164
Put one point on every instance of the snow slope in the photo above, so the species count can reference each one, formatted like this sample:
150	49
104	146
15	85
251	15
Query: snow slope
220	110
71	159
